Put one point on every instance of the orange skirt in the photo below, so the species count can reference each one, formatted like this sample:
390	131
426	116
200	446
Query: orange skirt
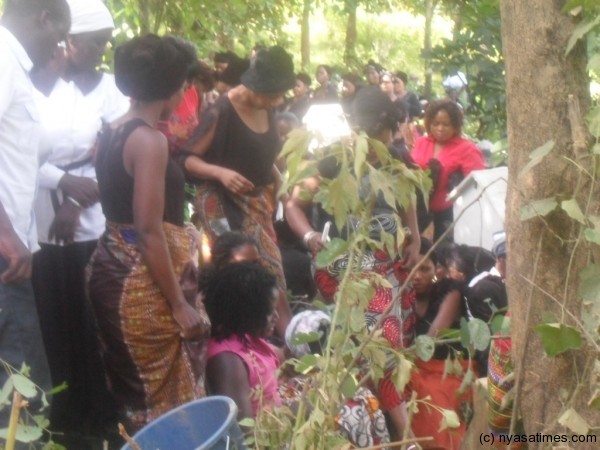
428	381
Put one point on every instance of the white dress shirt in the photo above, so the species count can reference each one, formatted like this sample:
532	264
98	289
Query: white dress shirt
71	121
19	138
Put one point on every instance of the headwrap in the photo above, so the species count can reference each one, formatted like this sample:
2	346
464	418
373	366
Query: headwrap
88	16
309	321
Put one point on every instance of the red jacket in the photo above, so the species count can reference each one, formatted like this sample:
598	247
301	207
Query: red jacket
457	154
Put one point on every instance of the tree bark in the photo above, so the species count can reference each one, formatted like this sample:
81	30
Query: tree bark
351	35
305	35
429	10
544	259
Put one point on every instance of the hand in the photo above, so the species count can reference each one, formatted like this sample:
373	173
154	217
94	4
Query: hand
190	321
315	243
17	256
411	255
235	182
66	221
84	190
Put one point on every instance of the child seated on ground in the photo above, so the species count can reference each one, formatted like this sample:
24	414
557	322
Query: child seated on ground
240	301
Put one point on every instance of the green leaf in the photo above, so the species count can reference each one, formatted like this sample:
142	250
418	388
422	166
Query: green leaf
593	118
571	207
402	372
357	320
465	336
361	148
557	338
574	422
7	389
581	29
247	422
501	325
592	235
51	445
56	389
41	421
425	347
25	433
479	334
589	291
332	250
467	381
449	419
536	156
348	387
306	364
317	417
305	338
538	208
594	401
24	386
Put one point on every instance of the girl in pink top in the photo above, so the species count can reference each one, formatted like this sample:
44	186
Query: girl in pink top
240	301
445	152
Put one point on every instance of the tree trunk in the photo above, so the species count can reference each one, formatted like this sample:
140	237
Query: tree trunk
544	260
351	35
429	9
305	35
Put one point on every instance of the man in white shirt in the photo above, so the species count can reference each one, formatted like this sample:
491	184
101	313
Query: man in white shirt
29	33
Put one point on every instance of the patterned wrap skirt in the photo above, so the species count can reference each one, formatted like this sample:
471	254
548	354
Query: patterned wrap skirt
500	412
220	211
398	325
150	368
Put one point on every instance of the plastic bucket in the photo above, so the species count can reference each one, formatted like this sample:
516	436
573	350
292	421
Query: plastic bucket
208	423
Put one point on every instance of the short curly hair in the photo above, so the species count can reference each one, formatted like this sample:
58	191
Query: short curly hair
151	68
453	110
238	300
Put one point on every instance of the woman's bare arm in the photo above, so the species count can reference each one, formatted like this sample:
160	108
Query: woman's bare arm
227	375
145	158
447	314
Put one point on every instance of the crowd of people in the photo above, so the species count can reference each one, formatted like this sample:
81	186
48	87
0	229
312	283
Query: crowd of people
100	285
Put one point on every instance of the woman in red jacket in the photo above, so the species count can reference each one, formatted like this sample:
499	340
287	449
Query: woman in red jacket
447	154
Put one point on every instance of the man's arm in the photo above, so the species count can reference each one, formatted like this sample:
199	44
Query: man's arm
13	251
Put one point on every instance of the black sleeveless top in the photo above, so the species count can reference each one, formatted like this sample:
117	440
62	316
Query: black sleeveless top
237	147
116	185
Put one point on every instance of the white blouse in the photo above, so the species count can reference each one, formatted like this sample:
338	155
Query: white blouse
71	122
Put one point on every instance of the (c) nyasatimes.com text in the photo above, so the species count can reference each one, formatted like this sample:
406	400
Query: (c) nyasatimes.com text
506	439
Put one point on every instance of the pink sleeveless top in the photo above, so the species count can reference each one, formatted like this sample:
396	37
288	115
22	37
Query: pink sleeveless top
260	360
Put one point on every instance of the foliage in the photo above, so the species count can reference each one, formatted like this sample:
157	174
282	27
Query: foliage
212	26
354	353
29	427
476	50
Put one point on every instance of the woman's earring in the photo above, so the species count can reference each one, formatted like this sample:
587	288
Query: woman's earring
434	280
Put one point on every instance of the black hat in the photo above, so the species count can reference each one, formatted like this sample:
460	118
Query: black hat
271	71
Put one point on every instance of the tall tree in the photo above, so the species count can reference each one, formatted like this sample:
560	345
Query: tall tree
545	253
305	34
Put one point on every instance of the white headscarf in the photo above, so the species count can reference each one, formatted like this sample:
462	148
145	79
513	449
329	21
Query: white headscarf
88	16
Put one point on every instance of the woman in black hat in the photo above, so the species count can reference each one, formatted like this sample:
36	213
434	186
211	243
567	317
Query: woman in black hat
232	155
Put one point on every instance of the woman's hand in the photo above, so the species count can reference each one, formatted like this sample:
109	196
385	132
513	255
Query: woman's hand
234	182
65	222
84	190
314	242
411	255
190	321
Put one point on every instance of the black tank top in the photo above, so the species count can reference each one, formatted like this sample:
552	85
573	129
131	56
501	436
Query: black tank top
116	185
237	147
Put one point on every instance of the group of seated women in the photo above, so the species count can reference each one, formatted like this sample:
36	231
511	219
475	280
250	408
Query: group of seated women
165	339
